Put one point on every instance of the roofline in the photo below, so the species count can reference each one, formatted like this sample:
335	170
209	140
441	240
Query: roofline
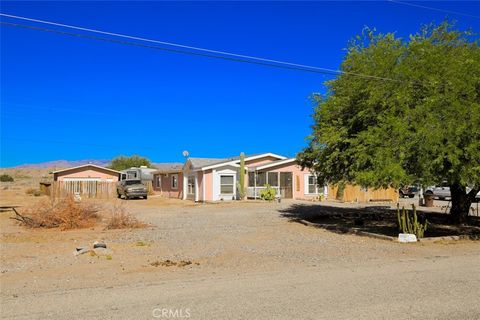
274	164
265	155
168	171
86	165
233	162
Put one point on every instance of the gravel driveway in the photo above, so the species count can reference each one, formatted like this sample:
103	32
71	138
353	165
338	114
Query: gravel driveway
248	262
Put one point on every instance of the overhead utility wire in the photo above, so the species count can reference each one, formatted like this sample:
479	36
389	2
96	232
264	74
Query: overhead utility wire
434	9
209	53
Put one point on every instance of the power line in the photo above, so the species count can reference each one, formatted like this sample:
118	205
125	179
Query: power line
202	51
435	9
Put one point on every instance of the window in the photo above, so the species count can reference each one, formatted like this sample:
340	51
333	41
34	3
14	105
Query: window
261	179
174	181
159	181
251	179
226	184
191	185
311	186
272	179
131	174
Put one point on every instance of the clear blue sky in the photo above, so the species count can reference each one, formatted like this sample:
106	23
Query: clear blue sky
71	98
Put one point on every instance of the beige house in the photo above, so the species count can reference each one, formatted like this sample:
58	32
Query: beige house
87	180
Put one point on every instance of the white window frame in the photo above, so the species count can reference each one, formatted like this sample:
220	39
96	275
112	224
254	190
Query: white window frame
233	184
307	185
159	181
174	178
193	187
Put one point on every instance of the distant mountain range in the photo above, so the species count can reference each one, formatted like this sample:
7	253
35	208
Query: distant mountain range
59	164
63	164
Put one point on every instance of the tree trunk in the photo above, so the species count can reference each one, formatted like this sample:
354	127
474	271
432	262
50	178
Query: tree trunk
461	202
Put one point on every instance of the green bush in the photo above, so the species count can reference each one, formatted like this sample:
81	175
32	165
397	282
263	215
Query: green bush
121	163
6	178
268	193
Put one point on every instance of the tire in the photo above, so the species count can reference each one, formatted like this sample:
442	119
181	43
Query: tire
146	197
126	197
401	195
119	195
411	196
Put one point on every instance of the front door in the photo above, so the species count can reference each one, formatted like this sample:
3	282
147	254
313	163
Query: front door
286	185
191	188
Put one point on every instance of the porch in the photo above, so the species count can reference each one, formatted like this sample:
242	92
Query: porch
281	182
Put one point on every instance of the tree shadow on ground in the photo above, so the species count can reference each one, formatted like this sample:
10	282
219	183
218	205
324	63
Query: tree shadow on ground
374	219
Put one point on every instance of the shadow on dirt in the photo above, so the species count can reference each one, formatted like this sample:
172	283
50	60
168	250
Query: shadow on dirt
374	219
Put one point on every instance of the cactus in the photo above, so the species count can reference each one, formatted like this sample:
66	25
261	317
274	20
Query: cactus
241	182
407	224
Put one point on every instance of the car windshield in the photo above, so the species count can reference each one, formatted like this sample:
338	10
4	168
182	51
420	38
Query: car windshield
130	182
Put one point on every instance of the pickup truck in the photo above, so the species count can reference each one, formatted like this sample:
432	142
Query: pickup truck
131	189
443	191
408	191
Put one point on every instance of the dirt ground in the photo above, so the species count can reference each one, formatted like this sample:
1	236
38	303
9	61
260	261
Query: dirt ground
248	261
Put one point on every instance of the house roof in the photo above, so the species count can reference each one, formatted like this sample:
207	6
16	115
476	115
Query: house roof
86	165
211	163
198	163
168	167
272	164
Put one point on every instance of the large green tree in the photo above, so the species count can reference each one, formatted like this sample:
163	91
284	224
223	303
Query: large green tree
122	162
418	121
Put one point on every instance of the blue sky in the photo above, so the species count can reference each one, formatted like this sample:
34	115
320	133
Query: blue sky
71	98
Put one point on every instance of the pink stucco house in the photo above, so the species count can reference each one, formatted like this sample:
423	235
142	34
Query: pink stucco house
87	180
87	172
168	180
212	179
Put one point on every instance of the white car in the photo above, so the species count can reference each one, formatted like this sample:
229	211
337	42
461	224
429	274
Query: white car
443	191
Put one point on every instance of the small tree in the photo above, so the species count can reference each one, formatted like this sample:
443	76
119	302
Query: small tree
6	178
123	162
241	180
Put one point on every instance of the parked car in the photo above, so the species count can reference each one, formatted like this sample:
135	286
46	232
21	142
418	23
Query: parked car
408	191
131	189
443	191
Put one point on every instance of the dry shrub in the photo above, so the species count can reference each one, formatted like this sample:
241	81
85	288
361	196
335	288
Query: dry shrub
34	192
63	213
120	218
170	263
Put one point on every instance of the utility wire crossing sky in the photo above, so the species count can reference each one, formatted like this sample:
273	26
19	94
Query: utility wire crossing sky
68	99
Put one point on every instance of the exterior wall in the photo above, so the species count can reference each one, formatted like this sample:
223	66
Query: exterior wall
208	181
166	189
260	161
87	173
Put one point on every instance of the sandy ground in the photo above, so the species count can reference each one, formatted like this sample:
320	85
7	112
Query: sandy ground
248	262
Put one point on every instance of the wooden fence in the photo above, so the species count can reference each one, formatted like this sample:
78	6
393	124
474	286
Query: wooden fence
86	189
359	194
